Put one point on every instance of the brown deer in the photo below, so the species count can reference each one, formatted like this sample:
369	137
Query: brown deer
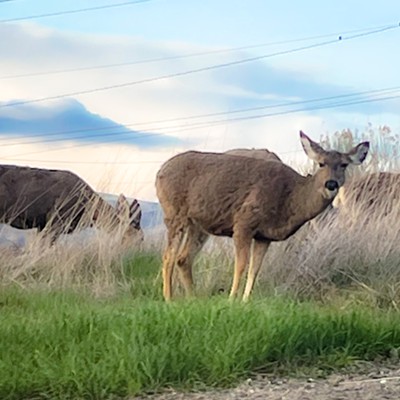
244	198
56	202
369	194
262	154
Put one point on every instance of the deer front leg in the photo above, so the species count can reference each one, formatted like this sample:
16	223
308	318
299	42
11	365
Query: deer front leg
242	241
257	256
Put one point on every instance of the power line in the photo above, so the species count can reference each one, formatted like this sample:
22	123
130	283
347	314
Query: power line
278	113
84	131
90	162
284	112
193	126
231	120
89	138
89	143
203	69
183	56
79	10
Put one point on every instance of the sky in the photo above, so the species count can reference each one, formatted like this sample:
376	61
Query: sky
111	89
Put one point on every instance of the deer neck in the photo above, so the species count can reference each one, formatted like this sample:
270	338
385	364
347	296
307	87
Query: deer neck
307	199
303	203
104	213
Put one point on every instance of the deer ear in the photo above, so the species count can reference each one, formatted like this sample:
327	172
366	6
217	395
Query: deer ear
312	149
359	153
135	214
122	206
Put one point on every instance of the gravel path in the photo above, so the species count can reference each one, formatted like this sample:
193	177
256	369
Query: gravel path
377	385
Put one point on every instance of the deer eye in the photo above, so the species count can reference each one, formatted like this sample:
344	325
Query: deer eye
344	165
321	165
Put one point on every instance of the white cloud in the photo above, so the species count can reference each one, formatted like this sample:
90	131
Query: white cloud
30	48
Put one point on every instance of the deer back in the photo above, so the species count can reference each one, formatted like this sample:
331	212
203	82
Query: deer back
29	195
262	154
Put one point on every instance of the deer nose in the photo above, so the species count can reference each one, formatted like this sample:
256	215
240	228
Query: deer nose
331	185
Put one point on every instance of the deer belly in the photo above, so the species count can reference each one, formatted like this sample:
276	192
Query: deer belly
221	231
213	225
277	234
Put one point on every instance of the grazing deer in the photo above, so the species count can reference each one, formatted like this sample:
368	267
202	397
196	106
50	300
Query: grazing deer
244	198
57	201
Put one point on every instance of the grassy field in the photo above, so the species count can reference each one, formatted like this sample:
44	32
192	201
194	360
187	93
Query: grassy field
87	320
59	344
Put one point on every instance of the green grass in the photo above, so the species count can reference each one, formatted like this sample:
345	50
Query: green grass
71	346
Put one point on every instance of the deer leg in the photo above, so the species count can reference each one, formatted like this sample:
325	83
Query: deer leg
50	233
187	253
242	243
257	256
169	260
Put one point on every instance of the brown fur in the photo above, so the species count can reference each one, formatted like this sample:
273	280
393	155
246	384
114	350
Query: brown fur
262	154
58	200
242	197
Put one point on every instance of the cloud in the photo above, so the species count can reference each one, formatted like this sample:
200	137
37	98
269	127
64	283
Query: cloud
154	120
31	48
68	120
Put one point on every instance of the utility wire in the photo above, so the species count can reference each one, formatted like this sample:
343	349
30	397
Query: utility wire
135	135
89	143
203	69
79	10
89	162
152	125
184	56
224	121
197	125
278	113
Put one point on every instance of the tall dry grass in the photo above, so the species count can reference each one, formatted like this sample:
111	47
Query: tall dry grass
89	258
354	248
349	250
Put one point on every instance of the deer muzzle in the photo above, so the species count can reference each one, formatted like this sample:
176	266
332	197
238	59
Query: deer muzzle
331	189
332	185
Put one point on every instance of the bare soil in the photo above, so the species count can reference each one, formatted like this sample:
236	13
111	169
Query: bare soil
381	384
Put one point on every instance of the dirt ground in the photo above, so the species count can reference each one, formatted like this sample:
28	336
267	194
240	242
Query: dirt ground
380	384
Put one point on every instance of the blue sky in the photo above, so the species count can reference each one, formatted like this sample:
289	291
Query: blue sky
211	22
163	108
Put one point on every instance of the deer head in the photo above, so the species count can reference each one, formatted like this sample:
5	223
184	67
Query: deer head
130	213
331	174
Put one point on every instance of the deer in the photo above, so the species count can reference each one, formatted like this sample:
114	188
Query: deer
370	194
253	201
58	201
262	154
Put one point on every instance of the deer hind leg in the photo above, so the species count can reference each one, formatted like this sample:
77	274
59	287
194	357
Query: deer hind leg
257	256
242	242
194	241
175	238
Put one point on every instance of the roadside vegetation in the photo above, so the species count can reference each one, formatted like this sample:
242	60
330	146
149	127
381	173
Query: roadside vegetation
69	346
86	320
